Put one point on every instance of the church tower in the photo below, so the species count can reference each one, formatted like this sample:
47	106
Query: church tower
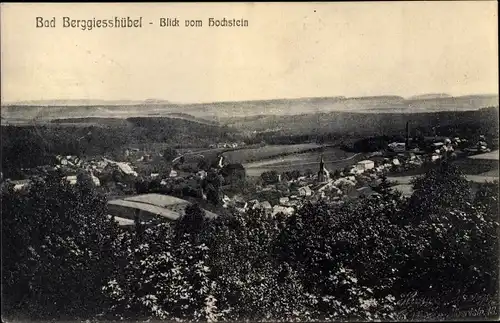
323	174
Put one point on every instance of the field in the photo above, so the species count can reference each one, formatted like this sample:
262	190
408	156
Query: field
405	180
334	159
248	155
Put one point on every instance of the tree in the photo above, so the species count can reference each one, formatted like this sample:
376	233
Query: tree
85	179
191	224
161	278
269	177
169	154
57	250
234	174
441	187
203	164
212	185
142	185
455	240
486	198
384	187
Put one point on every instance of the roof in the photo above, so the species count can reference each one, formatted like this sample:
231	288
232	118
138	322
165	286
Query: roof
123	221
20	182
492	155
171	215
367	161
266	205
166	206
157	199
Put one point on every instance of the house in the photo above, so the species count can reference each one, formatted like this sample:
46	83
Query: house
351	178
20	184
71	179
253	204
397	146
95	180
437	145
365	165
281	209
173	173
396	162
305	191
266	206
435	157
241	206
284	200
122	222
123	167
201	174
226	198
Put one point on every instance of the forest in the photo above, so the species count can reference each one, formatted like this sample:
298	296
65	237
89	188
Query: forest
95	137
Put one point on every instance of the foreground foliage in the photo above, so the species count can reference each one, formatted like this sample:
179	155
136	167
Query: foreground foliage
370	259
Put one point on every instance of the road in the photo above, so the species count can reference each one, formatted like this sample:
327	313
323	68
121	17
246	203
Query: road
198	153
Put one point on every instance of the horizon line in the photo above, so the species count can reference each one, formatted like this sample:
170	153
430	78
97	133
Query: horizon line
166	101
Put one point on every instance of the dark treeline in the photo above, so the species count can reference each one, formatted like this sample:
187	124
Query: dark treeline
371	258
365	132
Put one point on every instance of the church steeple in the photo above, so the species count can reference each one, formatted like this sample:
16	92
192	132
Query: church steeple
323	174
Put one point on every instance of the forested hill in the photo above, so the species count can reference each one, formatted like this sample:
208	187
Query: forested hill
362	124
41	141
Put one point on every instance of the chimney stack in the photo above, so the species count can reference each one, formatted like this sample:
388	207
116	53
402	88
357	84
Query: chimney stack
407	141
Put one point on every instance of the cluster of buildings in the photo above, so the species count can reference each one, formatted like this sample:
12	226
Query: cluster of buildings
357	180
294	193
72	166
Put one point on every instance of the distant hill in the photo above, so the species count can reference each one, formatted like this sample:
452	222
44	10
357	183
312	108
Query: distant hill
429	96
84	102
227	112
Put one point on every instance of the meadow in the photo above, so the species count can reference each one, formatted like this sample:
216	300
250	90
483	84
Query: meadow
244	156
334	158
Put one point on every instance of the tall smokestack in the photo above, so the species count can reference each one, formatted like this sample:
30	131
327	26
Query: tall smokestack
407	141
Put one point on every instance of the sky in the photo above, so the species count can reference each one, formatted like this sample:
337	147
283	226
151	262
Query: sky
288	51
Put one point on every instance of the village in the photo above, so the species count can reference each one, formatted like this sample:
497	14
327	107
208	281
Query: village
132	185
